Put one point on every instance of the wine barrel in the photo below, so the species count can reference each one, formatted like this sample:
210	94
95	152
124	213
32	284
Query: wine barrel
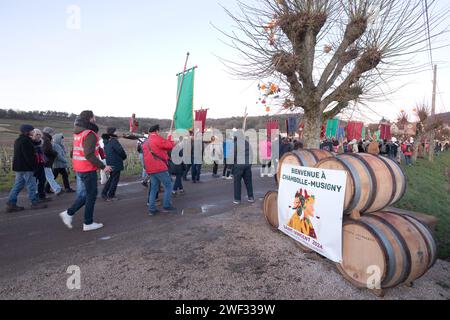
270	208
303	158
386	243
373	183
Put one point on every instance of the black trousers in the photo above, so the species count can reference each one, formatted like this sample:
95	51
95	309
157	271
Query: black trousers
109	191
227	168
188	168
41	180
242	172
215	168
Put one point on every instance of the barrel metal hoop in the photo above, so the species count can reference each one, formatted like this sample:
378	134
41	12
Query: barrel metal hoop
301	157
357	185
428	235
394	184
314	155
373	177
352	176
406	253
405	182
388	250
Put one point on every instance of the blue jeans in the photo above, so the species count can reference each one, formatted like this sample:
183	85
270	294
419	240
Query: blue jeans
24	179
86	196
156	180
51	180
408	160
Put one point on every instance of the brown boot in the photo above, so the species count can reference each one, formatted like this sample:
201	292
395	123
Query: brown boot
11	208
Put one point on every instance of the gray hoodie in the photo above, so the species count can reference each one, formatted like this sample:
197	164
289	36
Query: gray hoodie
61	160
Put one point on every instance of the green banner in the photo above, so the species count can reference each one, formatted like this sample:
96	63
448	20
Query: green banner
332	128
184	118
363	134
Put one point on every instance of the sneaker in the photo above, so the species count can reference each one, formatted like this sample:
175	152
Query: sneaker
181	191
153	212
38	206
11	208
67	220
271	175
174	193
236	202
170	210
251	200
113	199
92	227
229	178
224	178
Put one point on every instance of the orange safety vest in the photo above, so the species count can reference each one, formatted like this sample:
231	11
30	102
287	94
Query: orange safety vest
80	163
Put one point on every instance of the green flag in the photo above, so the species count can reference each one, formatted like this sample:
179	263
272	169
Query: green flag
363	134
332	128
184	118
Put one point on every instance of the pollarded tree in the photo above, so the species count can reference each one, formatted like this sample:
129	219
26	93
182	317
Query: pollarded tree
330	53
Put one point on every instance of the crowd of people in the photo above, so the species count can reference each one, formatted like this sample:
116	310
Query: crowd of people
40	157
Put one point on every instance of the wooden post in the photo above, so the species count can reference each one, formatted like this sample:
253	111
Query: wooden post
244	126
179	91
433	114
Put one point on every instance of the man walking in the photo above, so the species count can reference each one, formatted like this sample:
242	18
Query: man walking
115	155
24	165
242	170
85	163
156	159
61	165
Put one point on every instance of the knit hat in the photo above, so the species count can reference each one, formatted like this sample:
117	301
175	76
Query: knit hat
49	131
26	128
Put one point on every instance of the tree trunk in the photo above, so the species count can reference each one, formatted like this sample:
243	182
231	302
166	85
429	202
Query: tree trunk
313	126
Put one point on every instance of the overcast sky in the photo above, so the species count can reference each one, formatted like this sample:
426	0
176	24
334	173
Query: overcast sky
124	56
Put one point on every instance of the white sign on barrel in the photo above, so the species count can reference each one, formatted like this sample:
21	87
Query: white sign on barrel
310	208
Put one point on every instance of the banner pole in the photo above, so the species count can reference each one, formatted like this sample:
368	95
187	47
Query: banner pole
179	91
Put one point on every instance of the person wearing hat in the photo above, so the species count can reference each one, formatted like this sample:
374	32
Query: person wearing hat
24	165
115	156
156	158
50	157
86	162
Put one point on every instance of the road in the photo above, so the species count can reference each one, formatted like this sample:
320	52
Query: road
210	250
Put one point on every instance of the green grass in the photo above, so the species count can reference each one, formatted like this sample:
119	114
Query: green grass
428	192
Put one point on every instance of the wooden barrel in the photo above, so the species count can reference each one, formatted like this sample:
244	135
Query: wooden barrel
304	158
270	208
386	243
373	183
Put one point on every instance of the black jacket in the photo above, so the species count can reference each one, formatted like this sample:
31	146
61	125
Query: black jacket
49	153
24	155
115	155
245	158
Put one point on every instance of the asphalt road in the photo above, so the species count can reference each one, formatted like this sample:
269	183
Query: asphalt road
210	250
28	235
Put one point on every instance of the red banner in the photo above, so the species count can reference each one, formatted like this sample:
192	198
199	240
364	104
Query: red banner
200	115
271	125
385	132
354	130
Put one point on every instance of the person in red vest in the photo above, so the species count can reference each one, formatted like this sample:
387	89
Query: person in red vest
86	162
156	158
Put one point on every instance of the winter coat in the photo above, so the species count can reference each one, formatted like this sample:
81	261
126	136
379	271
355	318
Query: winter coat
156	156
214	152
373	148
61	159
115	154
90	142
49	152
24	159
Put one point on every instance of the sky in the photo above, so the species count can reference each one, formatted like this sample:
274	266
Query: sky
121	57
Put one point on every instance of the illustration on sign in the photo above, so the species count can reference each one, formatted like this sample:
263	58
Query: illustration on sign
310	208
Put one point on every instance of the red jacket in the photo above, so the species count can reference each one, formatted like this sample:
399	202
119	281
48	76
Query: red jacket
405	150
160	147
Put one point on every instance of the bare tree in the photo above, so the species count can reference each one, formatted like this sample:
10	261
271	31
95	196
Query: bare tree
330	53
425	125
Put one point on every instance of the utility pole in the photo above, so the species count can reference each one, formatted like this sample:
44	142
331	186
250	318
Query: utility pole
433	115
